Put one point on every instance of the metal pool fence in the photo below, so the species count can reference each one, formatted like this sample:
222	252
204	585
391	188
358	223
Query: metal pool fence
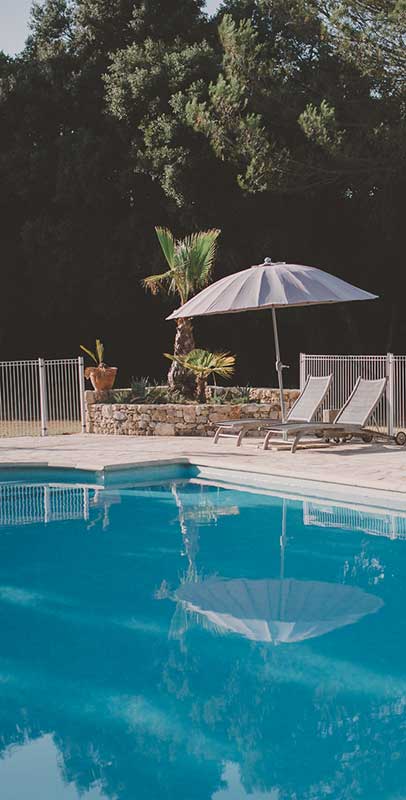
42	396
378	523
27	504
390	415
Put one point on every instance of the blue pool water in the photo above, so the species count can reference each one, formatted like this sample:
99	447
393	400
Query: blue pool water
188	642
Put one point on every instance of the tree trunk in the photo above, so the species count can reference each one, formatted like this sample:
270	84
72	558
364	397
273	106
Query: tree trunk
201	389
179	378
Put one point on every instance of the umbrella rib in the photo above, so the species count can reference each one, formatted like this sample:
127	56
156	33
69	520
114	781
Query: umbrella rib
262	281
223	291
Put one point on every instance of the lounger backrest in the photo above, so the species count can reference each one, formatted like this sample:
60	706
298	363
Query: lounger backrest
310	399
362	402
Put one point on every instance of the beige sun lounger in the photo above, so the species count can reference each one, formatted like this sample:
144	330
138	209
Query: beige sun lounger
303	411
351	420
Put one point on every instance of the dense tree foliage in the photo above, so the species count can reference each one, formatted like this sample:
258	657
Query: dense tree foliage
282	122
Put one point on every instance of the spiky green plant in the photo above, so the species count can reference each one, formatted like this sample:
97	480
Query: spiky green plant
190	261
204	364
96	356
139	389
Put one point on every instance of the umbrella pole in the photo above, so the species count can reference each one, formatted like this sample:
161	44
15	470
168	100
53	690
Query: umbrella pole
278	365
282	543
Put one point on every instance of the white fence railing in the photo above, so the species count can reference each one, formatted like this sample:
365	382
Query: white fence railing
377	523
41	396
27	504
390	414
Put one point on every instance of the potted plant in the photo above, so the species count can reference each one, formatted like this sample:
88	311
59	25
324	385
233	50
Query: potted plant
101	376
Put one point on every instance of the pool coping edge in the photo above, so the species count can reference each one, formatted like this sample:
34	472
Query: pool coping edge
364	494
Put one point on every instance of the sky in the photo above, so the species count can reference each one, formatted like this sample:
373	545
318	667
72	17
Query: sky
212	5
14	16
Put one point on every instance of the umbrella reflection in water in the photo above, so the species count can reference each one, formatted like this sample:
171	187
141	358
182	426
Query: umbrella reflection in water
273	610
276	611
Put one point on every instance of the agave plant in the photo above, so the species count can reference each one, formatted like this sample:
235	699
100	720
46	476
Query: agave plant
190	261
204	365
96	356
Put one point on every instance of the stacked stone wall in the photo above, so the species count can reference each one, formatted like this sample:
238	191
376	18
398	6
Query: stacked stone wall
132	419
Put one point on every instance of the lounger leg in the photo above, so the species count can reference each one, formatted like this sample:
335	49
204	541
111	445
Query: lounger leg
296	442
266	440
218	434
241	435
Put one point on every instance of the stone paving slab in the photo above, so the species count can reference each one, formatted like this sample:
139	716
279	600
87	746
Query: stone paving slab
375	467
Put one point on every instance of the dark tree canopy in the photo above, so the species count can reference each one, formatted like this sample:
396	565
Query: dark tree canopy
282	122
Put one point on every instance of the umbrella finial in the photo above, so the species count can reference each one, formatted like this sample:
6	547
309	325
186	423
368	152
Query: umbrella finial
268	260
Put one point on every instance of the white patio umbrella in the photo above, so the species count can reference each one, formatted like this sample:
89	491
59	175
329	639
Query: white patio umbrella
286	610
271	285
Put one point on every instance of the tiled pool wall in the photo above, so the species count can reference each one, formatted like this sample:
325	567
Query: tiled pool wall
181	469
106	477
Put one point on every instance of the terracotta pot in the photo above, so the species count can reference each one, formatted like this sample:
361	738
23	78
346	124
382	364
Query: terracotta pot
101	378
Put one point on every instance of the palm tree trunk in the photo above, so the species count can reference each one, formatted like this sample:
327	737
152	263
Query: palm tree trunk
201	383
178	377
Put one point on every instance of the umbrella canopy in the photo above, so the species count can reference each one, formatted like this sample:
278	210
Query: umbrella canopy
271	285
276	611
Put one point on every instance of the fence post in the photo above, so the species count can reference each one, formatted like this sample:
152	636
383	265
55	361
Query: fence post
82	403
47	504
390	393
85	503
302	375
43	397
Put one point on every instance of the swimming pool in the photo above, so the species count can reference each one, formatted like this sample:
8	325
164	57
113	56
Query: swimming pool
176	639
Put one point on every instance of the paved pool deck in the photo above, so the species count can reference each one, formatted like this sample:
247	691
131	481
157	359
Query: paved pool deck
377	469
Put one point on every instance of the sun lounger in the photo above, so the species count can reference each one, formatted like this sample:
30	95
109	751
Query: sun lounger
351	420
303	410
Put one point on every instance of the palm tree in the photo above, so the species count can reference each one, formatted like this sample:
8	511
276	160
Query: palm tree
203	365
190	261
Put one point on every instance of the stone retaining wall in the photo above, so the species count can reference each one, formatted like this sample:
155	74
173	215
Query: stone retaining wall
175	419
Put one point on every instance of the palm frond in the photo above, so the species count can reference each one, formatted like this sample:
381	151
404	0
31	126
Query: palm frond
197	253
204	363
223	364
168	244
190	262
155	283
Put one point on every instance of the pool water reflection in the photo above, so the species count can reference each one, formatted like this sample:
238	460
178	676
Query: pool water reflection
192	642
